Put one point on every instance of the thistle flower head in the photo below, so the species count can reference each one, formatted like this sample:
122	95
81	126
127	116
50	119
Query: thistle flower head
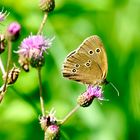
52	132
12	75
49	125
47	5
34	44
2	43
95	91
33	48
13	31
87	97
48	120
3	15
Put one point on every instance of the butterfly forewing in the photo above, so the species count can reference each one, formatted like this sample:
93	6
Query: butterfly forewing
93	47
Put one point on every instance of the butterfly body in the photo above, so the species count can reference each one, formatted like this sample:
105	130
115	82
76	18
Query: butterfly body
88	63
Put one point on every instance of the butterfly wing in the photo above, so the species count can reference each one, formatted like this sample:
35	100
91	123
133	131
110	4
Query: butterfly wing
93	47
79	68
84	65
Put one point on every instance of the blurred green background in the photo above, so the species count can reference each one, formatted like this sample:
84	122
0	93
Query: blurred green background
117	22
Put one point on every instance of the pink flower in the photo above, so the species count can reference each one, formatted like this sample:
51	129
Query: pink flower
14	28
32	49
13	31
91	93
95	91
34	44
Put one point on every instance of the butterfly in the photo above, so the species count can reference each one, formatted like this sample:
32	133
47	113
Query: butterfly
88	63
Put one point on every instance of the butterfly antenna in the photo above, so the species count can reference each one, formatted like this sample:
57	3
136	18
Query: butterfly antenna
114	87
102	99
99	102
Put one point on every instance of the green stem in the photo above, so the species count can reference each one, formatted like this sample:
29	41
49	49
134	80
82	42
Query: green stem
40	92
2	67
7	70
8	63
70	114
43	23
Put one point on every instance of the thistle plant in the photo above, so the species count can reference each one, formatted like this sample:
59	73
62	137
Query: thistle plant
31	52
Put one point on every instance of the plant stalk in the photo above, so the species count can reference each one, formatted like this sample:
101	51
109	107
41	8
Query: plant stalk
70	114
4	87
8	63
40	93
43	23
2	67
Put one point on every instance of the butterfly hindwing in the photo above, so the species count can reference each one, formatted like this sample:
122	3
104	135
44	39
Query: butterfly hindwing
79	68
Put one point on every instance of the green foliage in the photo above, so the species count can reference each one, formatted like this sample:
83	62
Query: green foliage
117	23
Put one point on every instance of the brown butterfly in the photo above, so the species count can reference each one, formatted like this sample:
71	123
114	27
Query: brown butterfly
88	63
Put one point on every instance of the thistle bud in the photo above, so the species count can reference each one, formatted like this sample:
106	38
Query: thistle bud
37	61
46	121
2	43
24	63
52	132
47	5
12	75
13	31
87	97
85	100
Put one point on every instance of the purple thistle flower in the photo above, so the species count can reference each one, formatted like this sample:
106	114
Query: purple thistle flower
33	48
14	28
3	15
87	97
34	44
13	31
95	91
